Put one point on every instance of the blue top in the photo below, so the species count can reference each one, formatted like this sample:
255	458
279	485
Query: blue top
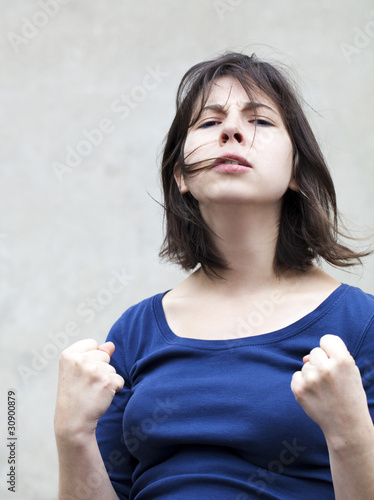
216	419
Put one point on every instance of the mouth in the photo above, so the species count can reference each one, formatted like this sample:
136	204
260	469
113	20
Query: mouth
231	163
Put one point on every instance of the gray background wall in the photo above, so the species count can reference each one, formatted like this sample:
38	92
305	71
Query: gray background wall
79	244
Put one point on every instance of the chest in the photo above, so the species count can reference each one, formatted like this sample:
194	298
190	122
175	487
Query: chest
227	319
236	398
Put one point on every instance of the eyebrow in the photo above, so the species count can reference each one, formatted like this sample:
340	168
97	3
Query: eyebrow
247	106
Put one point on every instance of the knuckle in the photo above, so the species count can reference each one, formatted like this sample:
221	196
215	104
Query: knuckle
106	381
313	376
65	355
120	383
349	361
324	372
76	362
300	393
313	381
91	369
344	363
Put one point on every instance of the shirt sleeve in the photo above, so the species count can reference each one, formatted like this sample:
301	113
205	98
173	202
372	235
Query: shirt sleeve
109	432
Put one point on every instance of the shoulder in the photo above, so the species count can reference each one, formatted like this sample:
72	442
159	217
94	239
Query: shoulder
137	330
356	301
352	314
349	302
141	313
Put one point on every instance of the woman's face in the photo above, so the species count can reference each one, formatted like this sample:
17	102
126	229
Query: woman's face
250	155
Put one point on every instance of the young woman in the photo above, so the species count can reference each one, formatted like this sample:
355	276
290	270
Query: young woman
254	377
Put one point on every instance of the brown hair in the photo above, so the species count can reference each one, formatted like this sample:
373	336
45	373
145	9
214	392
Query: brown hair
308	227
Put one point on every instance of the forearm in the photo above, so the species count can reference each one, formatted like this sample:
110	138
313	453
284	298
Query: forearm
86	387
82	473
352	466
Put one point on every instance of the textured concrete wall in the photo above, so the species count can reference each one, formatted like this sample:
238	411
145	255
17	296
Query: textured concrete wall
80	232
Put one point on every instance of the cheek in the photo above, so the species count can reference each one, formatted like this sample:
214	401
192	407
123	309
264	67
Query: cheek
282	153
197	146
285	153
188	148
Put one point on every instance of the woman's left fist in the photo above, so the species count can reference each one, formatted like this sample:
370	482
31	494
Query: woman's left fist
329	388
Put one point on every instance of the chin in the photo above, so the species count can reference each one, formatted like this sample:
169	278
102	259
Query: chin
230	199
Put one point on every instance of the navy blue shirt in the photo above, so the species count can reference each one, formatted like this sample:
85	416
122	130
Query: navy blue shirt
216	419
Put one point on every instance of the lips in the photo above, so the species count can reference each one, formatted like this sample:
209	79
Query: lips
232	159
231	164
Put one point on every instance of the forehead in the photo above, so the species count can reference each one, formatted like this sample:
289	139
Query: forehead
228	91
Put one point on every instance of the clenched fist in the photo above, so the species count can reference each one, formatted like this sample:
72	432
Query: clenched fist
86	387
329	389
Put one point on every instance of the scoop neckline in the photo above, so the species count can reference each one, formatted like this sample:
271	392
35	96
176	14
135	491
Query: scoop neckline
266	338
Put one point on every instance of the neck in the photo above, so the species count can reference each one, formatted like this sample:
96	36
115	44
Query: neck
246	237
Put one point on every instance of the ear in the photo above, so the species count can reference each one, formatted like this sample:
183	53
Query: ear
293	185
179	179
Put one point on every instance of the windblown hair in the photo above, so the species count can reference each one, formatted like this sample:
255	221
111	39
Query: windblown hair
308	225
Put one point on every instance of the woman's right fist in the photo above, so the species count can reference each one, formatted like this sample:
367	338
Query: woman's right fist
86	386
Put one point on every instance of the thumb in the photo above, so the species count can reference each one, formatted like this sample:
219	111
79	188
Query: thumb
107	347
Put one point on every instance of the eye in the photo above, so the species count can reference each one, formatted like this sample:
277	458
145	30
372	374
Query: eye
209	123
260	122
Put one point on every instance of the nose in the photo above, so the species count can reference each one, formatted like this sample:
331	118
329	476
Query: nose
231	132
